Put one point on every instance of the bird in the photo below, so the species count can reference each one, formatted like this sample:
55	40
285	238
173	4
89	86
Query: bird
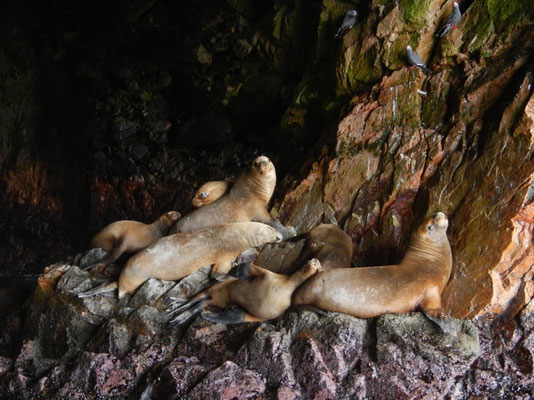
348	22
452	20
414	60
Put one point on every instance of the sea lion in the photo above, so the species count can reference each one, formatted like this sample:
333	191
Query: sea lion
328	244
130	236
417	282
260	294
245	201
209	192
175	256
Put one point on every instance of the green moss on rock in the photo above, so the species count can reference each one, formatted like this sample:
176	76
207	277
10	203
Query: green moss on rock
414	11
508	13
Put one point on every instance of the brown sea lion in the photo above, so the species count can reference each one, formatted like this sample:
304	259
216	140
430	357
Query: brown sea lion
209	192
130	236
417	282
245	201
328	244
260	294
175	256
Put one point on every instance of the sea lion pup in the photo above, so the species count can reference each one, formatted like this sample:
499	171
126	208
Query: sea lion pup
130	236
245	201
327	243
209	192
417	282
175	256
260	295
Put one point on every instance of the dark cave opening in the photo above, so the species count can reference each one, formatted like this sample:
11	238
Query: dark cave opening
164	94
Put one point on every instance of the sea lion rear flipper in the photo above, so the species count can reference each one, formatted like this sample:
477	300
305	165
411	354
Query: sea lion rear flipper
104	288
234	316
188	311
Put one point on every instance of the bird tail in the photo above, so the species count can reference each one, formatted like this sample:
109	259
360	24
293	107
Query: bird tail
443	31
426	70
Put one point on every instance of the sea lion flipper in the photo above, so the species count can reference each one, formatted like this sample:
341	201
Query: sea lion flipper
234	316
105	288
445	322
241	271
309	307
278	226
188	311
219	270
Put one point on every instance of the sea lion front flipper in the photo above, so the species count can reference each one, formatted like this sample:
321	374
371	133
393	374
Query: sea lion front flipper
118	249
241	271
219	270
104	288
309	307
445	323
278	226
234	316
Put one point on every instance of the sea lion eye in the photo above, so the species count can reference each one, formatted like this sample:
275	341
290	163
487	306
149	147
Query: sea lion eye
203	195
430	227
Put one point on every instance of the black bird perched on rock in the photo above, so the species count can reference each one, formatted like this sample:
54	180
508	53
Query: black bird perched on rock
452	20
414	60
348	22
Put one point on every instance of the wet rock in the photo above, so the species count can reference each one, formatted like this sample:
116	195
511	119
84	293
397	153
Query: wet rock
150	292
124	128
419	358
6	364
280	257
179	377
92	257
190	285
229	381
139	151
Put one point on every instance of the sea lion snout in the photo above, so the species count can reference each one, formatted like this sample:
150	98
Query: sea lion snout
313	266
172	216
263	165
441	220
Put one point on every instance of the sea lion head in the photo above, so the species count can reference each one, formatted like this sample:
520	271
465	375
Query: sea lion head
263	166
257	234
434	228
198	200
312	266
170	217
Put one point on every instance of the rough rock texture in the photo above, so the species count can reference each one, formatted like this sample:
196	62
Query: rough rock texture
99	123
347	123
458	141
100	347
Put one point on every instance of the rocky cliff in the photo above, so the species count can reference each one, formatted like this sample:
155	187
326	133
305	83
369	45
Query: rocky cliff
121	110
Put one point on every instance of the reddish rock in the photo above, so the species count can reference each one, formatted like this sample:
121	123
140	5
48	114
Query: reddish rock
228	382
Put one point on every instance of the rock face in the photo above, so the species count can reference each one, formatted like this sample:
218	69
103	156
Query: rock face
101	347
360	138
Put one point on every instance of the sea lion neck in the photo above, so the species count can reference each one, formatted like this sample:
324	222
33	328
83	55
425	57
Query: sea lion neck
163	223
435	250
254	234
